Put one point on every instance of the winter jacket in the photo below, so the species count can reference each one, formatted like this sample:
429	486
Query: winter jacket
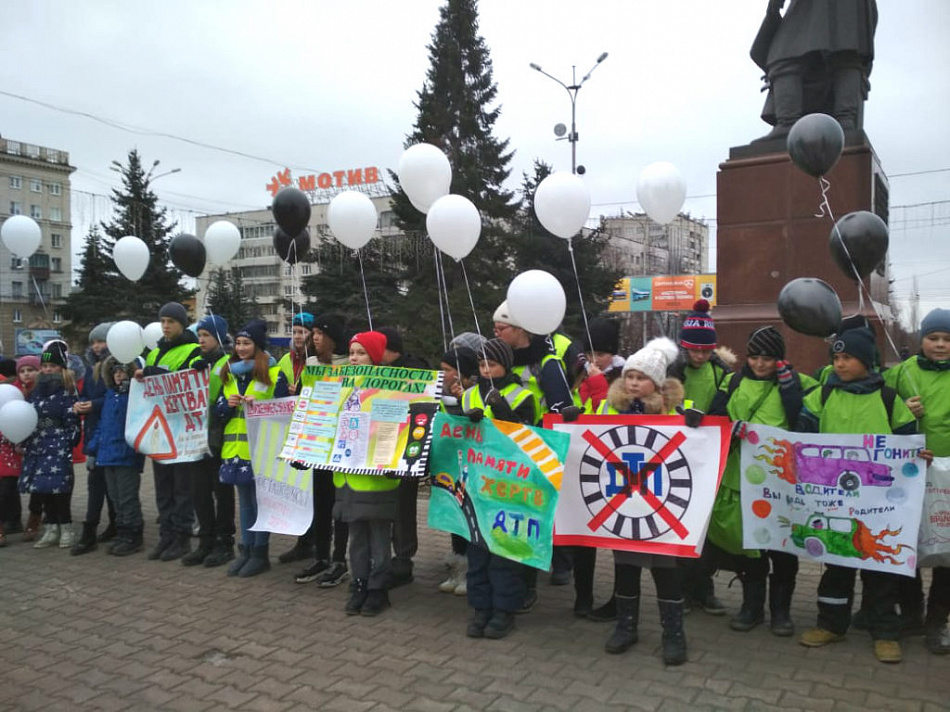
291	364
517	405
93	391
11	462
47	462
107	442
542	372
172	354
660	402
919	376
855	407
703	383
593	389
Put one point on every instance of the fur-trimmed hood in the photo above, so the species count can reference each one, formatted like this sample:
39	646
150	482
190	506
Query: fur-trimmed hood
107	365
663	401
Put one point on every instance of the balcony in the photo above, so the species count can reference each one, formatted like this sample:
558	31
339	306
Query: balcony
38	153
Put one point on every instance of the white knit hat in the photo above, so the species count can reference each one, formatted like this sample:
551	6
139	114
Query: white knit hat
503	315
653	359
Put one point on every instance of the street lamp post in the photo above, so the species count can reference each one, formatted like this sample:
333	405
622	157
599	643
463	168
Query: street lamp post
572	90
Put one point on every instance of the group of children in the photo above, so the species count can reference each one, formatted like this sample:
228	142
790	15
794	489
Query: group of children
515	376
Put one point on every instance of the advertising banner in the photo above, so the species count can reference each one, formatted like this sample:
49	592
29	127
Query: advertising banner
662	293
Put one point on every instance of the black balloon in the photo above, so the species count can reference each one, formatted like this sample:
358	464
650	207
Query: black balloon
291	210
815	143
291	249
187	253
810	306
863	236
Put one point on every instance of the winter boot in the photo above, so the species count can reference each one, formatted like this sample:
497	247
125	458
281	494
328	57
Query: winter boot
130	542
500	625
301	551
32	527
455	570
67	536
155	553
109	533
358	596
87	541
674	639
605	613
753	606
180	547
628	616
240	561
936	637
477	623
222	553
50	537
461	588
258	563
787	96
198	556
780	604
377	601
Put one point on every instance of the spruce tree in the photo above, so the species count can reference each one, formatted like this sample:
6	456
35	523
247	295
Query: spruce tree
457	113
227	298
97	296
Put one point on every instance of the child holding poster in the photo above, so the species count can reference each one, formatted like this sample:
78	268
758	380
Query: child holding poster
924	381
368	504
769	392
644	389
856	400
250	374
496	586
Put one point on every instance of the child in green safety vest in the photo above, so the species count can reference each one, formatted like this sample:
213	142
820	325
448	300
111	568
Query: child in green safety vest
855	399
249	375
496	586
768	391
924	382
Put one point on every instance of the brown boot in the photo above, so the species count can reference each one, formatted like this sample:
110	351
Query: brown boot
33	525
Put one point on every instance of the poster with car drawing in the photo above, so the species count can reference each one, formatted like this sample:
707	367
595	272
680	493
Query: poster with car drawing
850	500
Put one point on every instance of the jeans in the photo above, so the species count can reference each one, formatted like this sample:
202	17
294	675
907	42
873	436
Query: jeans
247	497
97	494
173	499
207	491
370	557
494	583
123	485
879	590
324	528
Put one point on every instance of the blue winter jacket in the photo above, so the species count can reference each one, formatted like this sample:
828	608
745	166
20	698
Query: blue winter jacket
107	442
94	391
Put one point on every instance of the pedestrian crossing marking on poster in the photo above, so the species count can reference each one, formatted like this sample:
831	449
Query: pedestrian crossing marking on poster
535	448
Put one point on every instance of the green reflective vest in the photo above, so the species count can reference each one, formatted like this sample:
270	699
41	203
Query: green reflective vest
175	359
235	431
513	393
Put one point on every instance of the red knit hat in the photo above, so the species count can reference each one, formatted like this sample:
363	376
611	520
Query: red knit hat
373	342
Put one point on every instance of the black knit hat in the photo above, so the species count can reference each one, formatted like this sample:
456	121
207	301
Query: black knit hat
393	338
463	359
174	310
604	335
699	329
56	352
766	341
498	351
7	368
332	326
858	343
256	331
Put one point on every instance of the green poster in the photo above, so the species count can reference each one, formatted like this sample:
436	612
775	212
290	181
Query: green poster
496	484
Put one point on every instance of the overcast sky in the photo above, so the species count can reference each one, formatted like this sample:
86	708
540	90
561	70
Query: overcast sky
320	86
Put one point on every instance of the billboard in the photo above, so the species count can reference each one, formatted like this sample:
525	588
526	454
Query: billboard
30	341
675	292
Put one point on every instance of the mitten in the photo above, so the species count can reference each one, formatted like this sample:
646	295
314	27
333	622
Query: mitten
740	429
153	371
475	414
297	465
494	398
693	416
200	364
571	413
783	371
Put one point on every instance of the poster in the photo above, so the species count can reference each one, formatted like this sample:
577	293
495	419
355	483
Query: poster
676	292
496	484
642	483
364	419
284	494
850	500
168	416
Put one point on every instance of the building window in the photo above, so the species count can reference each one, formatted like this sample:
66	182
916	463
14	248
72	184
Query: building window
15	263
16	182
57	290
56	264
13	147
288	290
57	317
305	269
16	289
56	239
52	155
36	185
56	214
55	188
287	270
17	316
16	208
36	212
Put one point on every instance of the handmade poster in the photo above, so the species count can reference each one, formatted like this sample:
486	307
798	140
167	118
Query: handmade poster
168	416
850	500
364	419
284	494
642	483
496	484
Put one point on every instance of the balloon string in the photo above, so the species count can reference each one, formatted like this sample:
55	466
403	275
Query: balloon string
580	296
369	316
862	287
438	289
445	287
478	330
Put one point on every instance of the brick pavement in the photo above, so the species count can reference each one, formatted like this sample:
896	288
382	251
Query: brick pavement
99	633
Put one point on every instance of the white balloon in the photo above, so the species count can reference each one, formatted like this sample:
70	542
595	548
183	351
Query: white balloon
352	218
222	241
425	174
562	204
131	256
454	225
536	301
9	392
151	334
661	191
21	235
17	420
125	341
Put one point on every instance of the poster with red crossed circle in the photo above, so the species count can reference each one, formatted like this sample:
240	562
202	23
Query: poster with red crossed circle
642	483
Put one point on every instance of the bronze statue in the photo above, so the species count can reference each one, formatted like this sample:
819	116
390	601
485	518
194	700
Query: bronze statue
817	58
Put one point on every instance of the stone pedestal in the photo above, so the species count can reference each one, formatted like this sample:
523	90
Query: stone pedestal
768	233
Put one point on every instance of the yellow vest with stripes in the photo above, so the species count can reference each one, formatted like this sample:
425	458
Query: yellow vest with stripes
513	393
235	432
